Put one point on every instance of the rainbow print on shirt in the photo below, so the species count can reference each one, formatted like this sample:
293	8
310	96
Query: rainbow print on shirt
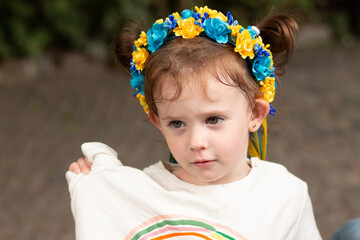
180	227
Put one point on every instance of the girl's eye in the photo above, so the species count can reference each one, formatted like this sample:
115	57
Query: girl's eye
213	120
177	124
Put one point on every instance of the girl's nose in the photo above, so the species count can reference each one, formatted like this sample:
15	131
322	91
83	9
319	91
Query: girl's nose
198	141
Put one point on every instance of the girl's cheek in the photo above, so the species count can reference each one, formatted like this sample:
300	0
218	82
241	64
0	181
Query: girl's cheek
175	145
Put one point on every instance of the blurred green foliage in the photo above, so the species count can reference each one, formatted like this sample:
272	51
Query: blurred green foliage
29	27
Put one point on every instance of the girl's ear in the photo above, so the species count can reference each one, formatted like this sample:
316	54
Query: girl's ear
154	119
259	113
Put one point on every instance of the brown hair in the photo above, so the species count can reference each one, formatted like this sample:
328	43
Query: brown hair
180	59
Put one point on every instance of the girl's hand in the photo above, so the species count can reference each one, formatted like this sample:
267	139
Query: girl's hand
81	166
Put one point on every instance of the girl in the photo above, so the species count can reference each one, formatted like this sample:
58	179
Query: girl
206	83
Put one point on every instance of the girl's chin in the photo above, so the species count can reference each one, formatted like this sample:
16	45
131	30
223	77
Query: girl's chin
200	179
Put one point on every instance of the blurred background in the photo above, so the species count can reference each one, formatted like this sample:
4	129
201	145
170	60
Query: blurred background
59	88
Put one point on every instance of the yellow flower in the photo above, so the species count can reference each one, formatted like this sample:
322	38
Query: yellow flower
202	10
139	58
176	15
234	29
260	41
159	21
212	13
245	44
267	87
216	14
143	102
142	40
266	48
271	57
187	28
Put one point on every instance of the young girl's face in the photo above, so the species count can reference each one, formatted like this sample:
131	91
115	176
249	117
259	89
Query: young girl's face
206	133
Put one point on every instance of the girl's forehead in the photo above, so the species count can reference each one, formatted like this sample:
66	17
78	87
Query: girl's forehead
193	101
199	84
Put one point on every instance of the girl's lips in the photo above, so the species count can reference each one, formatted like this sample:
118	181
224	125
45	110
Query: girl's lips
204	163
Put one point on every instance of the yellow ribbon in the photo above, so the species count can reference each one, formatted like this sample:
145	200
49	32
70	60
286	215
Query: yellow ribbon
257	144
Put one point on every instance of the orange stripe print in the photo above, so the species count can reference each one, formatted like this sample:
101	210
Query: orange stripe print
182	234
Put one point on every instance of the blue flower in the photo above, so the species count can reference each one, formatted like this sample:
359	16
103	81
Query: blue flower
260	51
196	22
200	21
170	22
137	81
230	18
217	30
132	65
261	68
186	14
156	36
196	16
272	110
252	32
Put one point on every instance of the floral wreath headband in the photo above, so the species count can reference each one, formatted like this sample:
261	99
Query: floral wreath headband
215	25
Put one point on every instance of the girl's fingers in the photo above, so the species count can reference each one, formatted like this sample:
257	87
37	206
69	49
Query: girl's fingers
74	167
88	163
81	165
84	165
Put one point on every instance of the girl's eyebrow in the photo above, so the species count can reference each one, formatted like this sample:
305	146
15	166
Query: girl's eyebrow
167	117
204	114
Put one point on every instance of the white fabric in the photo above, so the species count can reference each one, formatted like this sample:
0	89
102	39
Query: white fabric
256	30
118	202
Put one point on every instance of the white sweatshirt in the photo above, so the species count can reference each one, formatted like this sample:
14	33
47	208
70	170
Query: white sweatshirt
118	202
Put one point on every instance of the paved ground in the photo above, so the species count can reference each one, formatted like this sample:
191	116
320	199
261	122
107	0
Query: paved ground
48	110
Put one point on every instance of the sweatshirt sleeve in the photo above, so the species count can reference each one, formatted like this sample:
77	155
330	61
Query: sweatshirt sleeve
306	225
112	199
102	156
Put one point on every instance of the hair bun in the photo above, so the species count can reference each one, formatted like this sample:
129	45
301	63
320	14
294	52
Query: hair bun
279	31
123	43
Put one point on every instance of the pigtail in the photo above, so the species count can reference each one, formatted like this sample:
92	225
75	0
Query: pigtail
279	31
122	45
